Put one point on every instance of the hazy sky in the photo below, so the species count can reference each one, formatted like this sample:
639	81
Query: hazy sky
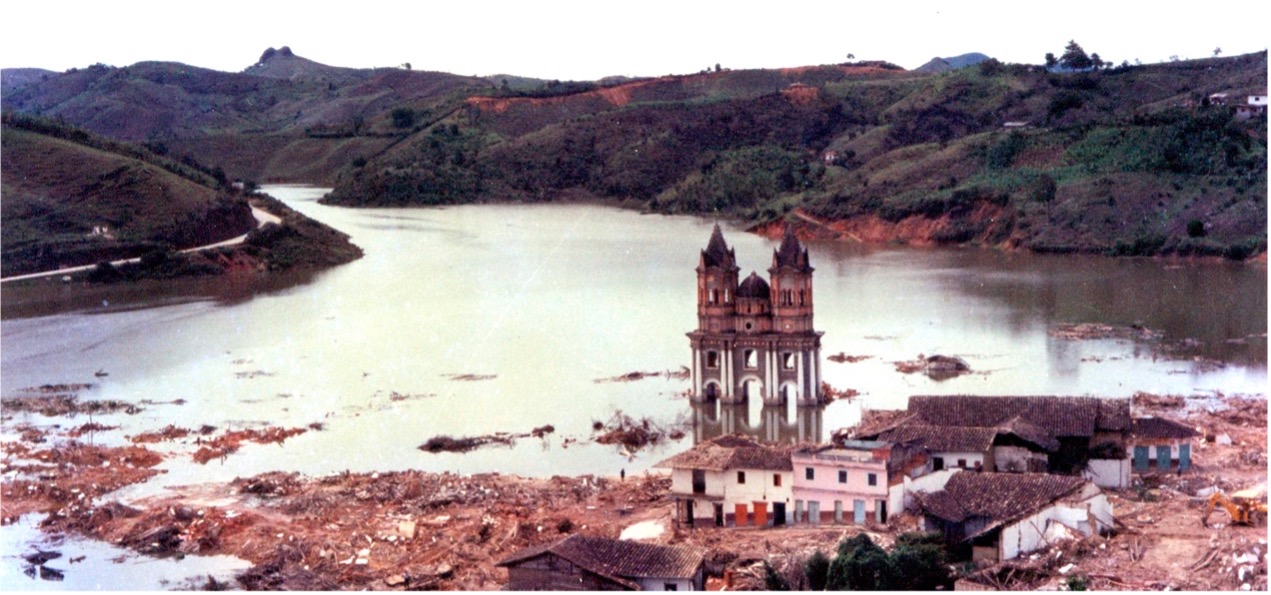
589	40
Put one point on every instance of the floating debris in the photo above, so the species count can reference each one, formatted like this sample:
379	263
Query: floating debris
936	367
471	377
681	374
841	357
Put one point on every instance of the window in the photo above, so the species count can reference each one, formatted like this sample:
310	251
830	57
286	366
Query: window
801	302
962	463
842	476
752	358
776	480
670	587
787	361
809	473
699	481
728	296
714	299
712	359
873	479
741	477
937	463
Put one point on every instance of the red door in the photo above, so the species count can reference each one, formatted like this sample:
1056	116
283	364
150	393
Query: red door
741	520
761	514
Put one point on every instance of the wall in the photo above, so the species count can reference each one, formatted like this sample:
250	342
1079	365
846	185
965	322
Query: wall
681	584
758	488
1025	535
900	496
951	458
1108	473
825	488
1014	459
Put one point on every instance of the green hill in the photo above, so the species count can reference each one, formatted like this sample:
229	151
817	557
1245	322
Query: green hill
1129	160
73	198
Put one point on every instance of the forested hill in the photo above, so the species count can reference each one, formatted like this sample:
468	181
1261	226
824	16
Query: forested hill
1113	160
1132	160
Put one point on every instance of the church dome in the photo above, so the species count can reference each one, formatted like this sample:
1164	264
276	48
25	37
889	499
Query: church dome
753	287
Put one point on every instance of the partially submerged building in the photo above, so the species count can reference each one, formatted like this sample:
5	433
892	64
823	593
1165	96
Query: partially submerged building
1000	516
579	563
755	338
731	481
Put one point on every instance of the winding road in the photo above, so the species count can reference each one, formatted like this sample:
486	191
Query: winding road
262	217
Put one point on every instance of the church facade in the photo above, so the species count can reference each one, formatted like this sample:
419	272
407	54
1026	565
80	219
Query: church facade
755	338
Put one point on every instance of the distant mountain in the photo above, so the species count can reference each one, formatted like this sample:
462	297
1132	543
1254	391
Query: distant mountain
938	65
12	79
283	64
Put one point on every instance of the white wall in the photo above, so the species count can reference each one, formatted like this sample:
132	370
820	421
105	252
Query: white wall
951	458
1108	473
901	495
659	584
1025	535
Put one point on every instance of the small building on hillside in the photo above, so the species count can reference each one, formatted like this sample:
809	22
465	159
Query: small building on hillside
1158	445
731	481
1000	516
850	481
579	563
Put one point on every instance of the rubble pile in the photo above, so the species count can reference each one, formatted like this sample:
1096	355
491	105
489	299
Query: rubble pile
63	481
635	434
450	444
841	357
57	400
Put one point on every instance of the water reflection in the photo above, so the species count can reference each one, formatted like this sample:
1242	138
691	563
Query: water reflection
770	424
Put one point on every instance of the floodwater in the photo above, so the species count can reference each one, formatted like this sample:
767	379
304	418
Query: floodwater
471	320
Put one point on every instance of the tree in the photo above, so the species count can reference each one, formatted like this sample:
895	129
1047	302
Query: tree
1096	61
1074	57
773	581
860	566
817	569
851	56
1051	60
918	562
1217	50
403	117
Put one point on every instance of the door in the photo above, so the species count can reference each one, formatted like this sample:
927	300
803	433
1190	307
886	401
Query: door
761	514
740	517
880	511
1162	457
1140	459
858	512
778	514
814	512
1184	457
719	515
688	512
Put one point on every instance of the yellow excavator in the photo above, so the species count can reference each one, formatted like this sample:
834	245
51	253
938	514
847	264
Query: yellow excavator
1245	507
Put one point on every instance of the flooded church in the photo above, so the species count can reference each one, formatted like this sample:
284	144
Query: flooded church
755	338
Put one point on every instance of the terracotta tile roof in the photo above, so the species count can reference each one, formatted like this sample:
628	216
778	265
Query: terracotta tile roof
1156	427
942	439
1058	416
998	498
618	559
730	452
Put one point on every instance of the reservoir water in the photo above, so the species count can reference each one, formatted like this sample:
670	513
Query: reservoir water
472	320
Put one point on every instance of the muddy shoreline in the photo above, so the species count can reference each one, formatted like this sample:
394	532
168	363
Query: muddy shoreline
422	530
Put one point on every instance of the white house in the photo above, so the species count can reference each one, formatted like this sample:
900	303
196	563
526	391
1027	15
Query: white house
731	481
1003	515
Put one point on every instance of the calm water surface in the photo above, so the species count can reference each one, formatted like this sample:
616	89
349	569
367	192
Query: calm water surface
537	303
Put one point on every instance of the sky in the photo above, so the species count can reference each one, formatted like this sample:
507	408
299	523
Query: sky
571	40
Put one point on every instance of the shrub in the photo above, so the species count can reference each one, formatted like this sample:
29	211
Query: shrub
1195	228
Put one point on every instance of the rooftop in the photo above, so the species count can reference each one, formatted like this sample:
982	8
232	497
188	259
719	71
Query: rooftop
620	560
730	452
999	498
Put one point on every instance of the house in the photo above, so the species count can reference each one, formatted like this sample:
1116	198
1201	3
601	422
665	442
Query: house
1012	434
1254	107
1218	99
1000	516
1160	445
731	481
579	563
853	473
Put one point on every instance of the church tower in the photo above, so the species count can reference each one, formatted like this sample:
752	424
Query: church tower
755	339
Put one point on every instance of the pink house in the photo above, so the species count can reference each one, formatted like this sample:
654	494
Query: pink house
841	483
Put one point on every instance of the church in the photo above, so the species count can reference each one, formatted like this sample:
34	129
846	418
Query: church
754	338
